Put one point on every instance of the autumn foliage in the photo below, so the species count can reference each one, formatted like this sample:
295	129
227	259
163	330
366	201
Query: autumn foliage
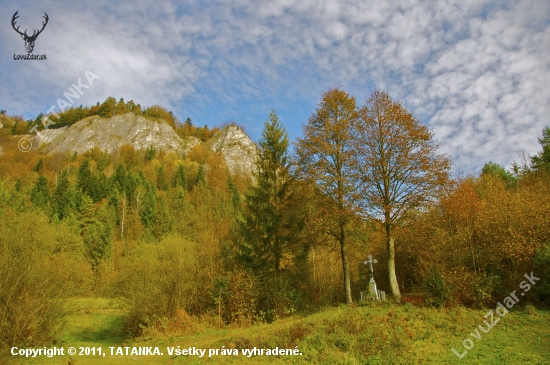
179	237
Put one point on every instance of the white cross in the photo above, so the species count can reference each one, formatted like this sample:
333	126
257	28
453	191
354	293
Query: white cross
369	262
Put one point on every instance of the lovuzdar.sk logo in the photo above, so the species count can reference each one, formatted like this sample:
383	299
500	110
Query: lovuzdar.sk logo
29	39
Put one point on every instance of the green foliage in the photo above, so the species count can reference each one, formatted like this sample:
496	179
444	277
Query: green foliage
108	108
158	280
39	166
265	239
164	220
491	168
541	161
181	177
439	289
65	197
542	270
148	208
96	230
200	179
150	153
40	195
35	278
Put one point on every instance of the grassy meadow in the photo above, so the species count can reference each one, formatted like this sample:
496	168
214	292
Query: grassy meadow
381	333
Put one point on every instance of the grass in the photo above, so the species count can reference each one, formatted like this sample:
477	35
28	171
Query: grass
370	334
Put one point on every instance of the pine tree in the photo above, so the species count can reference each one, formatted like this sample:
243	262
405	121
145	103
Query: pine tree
40	194
39	165
265	241
64	197
163	222
161	179
200	180
181	178
85	177
541	161
108	108
148	208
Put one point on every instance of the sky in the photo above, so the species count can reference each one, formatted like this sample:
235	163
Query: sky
476	72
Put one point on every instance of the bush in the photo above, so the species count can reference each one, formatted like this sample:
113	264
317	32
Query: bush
41	263
159	280
438	288
542	270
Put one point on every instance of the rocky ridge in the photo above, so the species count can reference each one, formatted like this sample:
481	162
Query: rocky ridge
109	134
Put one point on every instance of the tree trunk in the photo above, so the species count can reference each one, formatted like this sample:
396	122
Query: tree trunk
345	265
394	285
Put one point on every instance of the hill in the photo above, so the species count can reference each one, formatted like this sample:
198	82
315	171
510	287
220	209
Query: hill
109	134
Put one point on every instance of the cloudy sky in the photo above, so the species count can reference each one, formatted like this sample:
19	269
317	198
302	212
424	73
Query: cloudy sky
476	72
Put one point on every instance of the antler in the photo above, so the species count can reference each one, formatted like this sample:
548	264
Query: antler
34	34
15	16
43	25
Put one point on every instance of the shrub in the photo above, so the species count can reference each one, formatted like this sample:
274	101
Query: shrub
40	265
438	288
542	270
159	280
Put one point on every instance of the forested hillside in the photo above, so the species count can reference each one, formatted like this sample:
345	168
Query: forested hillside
178	236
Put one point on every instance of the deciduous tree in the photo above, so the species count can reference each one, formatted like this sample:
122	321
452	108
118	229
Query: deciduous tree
397	166
325	156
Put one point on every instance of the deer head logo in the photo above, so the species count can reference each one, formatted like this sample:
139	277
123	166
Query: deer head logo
29	40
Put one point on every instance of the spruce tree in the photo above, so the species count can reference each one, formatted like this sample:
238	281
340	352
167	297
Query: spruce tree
200	180
64	197
85	177
265	240
40	194
541	161
39	165
181	178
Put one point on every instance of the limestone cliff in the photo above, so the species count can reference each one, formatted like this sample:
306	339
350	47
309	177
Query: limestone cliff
109	134
237	149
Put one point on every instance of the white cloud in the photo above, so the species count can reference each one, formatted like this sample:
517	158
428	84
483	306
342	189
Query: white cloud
476	72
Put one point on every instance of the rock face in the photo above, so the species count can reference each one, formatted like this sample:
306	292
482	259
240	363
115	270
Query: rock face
237	149
109	134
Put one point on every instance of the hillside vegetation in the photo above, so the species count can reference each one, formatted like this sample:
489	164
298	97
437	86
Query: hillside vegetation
190	251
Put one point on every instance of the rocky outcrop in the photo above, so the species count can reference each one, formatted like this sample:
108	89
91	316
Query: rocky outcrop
109	134
237	149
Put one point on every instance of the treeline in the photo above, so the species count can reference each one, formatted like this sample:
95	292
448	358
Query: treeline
178	236
109	108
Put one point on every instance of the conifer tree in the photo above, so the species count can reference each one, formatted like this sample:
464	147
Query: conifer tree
39	165
148	209
200	180
181	177
64	197
163	221
541	161
265	241
85	177
40	194
161	179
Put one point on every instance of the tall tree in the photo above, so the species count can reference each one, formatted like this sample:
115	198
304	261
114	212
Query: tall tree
64	197
40	194
181	177
324	155
397	166
265	241
541	161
